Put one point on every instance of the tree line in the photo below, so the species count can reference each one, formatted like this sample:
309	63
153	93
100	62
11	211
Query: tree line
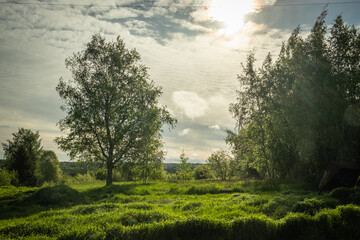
27	163
296	114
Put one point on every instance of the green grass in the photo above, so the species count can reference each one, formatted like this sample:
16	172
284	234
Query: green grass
195	210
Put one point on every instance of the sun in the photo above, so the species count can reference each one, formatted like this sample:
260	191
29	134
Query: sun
231	13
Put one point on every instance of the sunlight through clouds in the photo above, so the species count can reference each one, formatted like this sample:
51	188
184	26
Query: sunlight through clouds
193	49
231	14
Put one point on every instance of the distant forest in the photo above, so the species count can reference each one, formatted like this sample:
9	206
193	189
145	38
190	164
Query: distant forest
74	168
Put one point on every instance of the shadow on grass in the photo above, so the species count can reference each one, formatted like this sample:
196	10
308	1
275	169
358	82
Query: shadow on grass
32	202
97	194
58	197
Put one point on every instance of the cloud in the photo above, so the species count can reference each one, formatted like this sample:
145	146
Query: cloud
194	64
184	132
190	103
119	13
216	127
194	155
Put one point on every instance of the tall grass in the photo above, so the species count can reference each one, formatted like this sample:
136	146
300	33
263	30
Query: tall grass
217	210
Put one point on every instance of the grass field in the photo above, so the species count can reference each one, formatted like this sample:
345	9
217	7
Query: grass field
195	210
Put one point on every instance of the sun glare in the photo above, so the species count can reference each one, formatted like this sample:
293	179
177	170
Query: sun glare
231	13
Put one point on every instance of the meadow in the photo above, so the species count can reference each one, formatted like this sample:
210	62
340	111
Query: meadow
192	210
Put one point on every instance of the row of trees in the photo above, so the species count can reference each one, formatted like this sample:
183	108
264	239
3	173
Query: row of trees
220	165
296	114
27	163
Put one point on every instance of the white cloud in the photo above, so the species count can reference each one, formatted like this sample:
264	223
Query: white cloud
194	155
190	103
216	127
184	132
117	13
204	66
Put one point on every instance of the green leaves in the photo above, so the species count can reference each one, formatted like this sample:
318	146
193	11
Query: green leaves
292	114
22	153
112	106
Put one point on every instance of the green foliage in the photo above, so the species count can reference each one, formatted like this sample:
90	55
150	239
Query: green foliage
296	114
100	174
113	115
312	206
122	211
203	172
22	153
85	178
346	195
150	163
73	168
47	168
222	164
184	172
8	178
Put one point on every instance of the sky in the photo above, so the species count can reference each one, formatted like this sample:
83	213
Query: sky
193	49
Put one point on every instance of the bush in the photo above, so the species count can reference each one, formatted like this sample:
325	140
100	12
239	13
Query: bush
172	177
341	193
203	172
47	168
8	178
79	179
101	174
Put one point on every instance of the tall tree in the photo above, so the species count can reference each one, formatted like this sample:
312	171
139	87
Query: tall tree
302	111
184	172
112	106
150	164
22	153
221	163
47	168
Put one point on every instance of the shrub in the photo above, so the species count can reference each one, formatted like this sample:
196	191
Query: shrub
341	193
47	168
101	174
203	172
171	177
79	179
8	178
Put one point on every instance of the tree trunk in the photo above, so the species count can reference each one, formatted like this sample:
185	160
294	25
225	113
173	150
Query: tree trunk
110	167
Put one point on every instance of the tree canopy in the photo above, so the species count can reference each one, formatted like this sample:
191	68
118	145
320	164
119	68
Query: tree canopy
221	163
47	168
22	153
111	104
183	171
296	114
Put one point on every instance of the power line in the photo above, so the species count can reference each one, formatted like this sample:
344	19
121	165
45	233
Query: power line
175	5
